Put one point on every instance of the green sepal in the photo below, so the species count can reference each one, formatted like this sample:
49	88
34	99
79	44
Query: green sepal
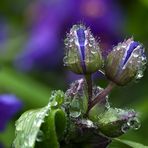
114	122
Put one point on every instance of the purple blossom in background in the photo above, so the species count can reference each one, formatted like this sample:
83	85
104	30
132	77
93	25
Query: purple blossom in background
49	20
1	146
9	106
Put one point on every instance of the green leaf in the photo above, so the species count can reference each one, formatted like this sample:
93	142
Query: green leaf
31	92
126	144
42	127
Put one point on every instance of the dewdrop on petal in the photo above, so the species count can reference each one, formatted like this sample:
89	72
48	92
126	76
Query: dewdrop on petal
126	62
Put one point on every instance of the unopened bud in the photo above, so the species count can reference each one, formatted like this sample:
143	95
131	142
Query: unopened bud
82	54
125	62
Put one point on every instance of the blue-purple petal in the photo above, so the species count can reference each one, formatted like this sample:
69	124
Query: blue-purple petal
131	48
81	39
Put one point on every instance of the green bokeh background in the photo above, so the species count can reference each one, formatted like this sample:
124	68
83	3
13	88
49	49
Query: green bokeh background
33	90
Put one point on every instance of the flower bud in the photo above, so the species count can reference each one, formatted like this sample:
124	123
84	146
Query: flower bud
125	62
77	98
82	54
115	122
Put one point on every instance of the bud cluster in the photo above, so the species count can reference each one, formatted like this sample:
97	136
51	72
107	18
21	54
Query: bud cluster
83	55
87	104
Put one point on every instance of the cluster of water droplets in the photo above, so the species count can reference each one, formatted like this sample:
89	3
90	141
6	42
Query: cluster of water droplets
56	99
27	128
69	43
131	121
142	60
138	61
131	124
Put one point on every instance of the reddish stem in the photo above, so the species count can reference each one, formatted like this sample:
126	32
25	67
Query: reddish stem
89	86
101	96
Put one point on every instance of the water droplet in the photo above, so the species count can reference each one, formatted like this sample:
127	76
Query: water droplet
75	114
54	103
135	55
93	52
134	123
144	60
87	123
118	48
139	74
40	136
75	108
66	43
91	38
125	128
71	40
107	105
70	45
90	45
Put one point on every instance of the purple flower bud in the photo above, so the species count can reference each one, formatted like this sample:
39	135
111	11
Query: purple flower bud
9	106
82	51
125	62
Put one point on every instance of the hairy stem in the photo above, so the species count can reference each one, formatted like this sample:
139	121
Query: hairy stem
101	96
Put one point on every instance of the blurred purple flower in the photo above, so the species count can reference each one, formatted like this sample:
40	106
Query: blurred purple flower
1	146
9	106
49	20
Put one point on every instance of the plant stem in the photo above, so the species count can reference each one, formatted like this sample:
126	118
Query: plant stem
89	87
101	96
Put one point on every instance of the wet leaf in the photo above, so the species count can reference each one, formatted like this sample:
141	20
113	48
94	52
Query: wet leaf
42	127
126	144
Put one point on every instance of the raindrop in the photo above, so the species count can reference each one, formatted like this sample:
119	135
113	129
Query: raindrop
134	123
71	40
75	108
107	105
135	55
88	123
70	45
139	74
93	52
54	103
125	128
40	136
75	114
118	48
144	60
90	45
91	38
